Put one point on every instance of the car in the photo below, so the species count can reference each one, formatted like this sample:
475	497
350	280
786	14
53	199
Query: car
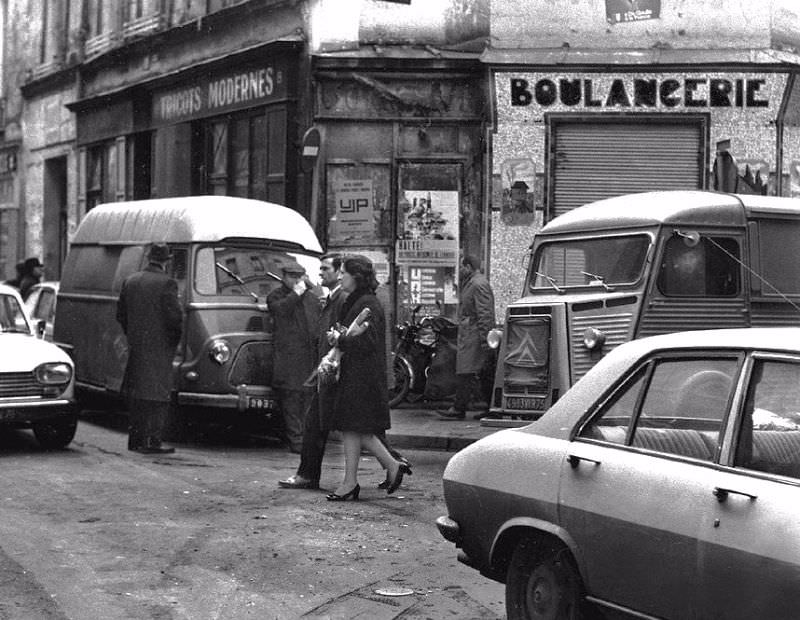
664	484
41	306
36	378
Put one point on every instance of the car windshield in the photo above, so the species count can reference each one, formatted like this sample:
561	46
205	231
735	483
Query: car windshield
242	271
604	262
12	317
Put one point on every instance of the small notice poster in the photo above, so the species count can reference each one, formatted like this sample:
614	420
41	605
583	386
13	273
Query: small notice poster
632	10
354	207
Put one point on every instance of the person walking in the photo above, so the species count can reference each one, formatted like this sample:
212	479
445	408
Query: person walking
309	470
32	272
296	311
473	356
360	406
150	315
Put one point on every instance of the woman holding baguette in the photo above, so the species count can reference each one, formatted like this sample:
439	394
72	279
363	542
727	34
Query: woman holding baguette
360	404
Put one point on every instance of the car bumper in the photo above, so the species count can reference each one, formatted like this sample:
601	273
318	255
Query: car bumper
32	412
247	398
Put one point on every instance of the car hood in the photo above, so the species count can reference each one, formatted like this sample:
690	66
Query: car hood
22	352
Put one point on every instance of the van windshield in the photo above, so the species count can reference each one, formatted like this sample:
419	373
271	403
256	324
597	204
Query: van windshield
603	262
244	271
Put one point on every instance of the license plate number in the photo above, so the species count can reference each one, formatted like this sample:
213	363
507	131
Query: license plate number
524	403
254	402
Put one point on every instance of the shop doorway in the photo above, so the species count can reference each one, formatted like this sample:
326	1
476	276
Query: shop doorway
54	222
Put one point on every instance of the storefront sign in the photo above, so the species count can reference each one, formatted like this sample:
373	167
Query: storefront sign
640	92
225	92
632	10
354	207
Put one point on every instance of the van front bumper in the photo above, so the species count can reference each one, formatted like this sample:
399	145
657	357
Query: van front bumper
247	398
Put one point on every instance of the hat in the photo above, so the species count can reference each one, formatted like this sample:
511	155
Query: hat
292	266
159	253
31	263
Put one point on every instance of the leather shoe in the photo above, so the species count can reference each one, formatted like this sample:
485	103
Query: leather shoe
156	450
298	482
451	414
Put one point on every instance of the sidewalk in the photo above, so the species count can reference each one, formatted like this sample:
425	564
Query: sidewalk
417	426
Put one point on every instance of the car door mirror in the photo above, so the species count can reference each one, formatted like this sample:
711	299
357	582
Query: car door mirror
41	326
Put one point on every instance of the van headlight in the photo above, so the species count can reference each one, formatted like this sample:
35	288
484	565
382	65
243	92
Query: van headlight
494	338
219	351
593	338
53	373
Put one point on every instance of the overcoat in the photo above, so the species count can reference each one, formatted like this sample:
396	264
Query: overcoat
475	319
295	336
150	315
361	399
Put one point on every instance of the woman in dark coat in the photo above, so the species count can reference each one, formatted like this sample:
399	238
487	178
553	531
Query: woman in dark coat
360	404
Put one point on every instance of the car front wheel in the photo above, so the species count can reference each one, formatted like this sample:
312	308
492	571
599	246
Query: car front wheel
542	584
54	435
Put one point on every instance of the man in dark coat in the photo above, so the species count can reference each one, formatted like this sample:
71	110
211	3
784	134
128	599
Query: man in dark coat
151	317
475	319
295	308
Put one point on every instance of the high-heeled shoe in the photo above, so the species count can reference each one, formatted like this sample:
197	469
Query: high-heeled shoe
387	482
398	478
351	494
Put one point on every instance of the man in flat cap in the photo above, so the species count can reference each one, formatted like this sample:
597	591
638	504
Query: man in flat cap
151	317
296	310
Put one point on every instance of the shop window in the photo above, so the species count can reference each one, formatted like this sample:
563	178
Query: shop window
101	169
247	156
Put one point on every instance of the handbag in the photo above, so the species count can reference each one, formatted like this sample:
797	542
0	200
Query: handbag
329	367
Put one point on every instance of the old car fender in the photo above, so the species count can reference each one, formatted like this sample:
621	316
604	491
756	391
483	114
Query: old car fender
513	530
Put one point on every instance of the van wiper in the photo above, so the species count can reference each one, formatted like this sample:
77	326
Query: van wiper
598	278
551	281
238	279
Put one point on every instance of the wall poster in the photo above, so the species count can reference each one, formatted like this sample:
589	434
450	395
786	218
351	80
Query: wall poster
427	250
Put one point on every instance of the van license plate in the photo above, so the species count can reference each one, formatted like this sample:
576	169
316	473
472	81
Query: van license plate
253	402
524	403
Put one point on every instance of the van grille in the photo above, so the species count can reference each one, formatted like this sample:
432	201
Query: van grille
19	385
252	365
616	327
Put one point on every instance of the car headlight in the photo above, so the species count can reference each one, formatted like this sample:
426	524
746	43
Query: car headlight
494	338
593	338
53	373
220	352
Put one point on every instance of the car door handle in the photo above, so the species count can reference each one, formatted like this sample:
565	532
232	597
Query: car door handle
574	460
722	493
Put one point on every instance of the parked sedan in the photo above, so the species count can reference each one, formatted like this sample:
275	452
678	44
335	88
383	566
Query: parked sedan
36	378
41	307
665	483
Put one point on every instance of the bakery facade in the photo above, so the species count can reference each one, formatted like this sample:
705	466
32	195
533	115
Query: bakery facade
566	136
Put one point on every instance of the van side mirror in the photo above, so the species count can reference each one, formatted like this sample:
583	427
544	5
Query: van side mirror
690	237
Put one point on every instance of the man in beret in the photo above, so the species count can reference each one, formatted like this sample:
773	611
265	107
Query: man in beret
150	315
296	310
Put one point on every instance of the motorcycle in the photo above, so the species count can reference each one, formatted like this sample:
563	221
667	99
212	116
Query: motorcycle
424	364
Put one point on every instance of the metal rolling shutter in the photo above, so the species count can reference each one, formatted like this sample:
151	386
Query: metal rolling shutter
595	161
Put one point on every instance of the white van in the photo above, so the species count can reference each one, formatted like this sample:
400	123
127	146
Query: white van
228	255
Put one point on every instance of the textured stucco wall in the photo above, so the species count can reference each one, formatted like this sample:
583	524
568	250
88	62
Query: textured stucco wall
683	24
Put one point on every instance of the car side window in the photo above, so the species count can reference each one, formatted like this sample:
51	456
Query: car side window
617	414
45	305
769	436
677	407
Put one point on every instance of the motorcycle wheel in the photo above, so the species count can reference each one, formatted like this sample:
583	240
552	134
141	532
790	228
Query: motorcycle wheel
402	383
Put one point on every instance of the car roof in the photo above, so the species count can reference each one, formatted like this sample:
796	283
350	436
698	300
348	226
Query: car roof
194	219
623	357
685	208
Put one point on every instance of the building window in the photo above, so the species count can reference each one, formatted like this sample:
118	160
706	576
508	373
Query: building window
100	167
101	17
246	156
